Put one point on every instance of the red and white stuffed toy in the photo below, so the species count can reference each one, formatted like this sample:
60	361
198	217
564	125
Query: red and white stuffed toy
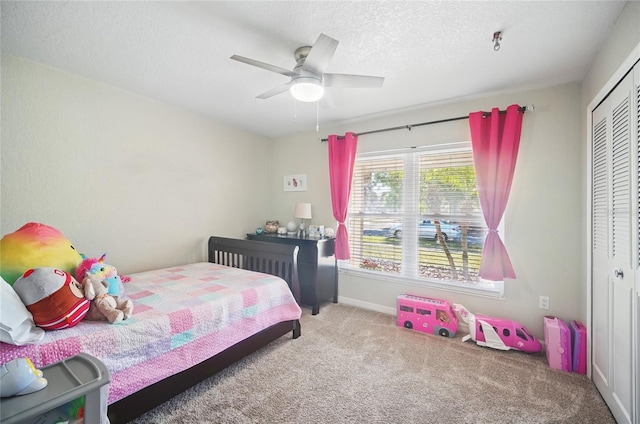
54	298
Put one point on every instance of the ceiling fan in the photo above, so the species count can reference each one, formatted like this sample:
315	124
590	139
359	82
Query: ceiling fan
308	78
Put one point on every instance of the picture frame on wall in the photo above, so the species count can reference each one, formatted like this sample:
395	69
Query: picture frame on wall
295	182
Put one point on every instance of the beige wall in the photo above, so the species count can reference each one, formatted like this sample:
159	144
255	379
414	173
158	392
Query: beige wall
119	173
624	38
543	218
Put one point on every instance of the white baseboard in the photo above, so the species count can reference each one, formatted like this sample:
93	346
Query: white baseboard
366	305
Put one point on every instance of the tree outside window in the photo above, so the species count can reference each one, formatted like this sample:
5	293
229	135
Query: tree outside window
417	215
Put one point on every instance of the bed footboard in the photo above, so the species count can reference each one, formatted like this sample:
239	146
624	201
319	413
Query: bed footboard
270	258
134	405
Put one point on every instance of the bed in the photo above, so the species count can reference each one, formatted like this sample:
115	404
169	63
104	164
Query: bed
189	322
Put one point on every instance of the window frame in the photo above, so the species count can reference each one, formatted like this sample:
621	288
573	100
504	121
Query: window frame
485	288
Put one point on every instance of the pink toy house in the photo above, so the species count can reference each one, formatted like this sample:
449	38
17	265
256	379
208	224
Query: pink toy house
557	338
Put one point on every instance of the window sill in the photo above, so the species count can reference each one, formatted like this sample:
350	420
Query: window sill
496	292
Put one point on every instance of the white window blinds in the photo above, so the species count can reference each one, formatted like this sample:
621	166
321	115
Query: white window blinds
416	214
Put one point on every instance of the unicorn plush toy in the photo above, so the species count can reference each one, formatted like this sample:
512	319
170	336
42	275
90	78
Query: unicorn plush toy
101	271
103	287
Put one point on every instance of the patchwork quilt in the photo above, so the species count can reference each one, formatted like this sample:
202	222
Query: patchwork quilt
182	316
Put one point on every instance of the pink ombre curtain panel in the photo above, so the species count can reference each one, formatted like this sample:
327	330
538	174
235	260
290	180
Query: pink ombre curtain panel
495	139
342	154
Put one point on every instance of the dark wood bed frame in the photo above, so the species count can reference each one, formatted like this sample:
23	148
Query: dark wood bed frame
279	260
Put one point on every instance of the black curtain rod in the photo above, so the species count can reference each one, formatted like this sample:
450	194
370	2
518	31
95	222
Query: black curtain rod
522	109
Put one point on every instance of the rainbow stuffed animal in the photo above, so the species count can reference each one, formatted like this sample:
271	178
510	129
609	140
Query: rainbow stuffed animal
102	272
103	287
36	245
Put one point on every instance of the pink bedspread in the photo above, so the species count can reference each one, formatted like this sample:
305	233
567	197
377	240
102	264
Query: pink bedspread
182	316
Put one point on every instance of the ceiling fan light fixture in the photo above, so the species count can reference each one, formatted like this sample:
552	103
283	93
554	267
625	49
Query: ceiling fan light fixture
307	89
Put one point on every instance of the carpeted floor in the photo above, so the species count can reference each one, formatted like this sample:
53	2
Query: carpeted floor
356	366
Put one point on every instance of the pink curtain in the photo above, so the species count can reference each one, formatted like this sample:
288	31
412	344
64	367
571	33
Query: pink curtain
495	139
342	154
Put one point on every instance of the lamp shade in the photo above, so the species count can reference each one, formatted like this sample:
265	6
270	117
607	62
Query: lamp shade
306	89
302	211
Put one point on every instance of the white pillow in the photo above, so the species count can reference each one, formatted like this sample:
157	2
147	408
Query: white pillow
16	322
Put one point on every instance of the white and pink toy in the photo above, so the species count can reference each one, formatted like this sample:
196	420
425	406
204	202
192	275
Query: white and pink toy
497	333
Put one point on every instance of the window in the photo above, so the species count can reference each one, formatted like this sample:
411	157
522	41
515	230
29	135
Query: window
415	215
521	334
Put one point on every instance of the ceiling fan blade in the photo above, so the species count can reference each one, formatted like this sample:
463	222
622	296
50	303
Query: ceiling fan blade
274	91
320	54
352	81
263	65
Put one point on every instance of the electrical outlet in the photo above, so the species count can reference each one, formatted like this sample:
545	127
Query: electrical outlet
543	303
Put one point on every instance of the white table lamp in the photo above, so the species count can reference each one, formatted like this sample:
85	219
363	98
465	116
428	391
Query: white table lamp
302	211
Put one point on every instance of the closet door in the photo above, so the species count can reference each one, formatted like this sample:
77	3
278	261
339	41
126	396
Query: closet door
614	249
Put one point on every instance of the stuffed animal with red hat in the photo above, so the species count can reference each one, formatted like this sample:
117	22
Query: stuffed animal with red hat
55	299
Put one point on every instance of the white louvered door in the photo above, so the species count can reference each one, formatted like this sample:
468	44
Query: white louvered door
614	247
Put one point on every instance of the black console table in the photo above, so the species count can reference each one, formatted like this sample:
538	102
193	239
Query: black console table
317	270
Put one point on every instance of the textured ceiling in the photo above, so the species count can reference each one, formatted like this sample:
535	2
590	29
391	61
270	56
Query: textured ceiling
428	51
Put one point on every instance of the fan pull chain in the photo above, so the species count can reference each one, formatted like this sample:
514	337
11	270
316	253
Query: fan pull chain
295	111
318	116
